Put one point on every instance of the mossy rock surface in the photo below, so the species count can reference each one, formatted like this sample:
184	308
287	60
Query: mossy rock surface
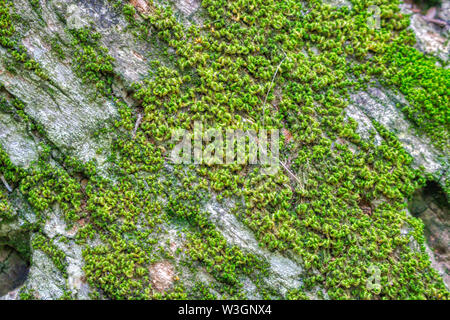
91	92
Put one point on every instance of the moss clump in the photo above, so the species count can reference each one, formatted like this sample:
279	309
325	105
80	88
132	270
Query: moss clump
425	85
93	63
11	173
47	246
46	185
6	212
9	41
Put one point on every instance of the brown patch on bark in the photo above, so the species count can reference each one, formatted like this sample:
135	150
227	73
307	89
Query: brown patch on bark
137	55
141	6
365	206
162	276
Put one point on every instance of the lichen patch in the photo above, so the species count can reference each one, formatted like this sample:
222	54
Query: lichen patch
162	276
141	6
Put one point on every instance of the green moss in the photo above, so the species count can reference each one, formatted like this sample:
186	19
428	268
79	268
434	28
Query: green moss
57	48
6	212
46	185
321	219
92	62
273	64
8	40
426	88
129	11
200	291
47	246
297	294
25	294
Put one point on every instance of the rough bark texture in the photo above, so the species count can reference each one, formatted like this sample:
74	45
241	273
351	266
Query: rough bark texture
77	120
